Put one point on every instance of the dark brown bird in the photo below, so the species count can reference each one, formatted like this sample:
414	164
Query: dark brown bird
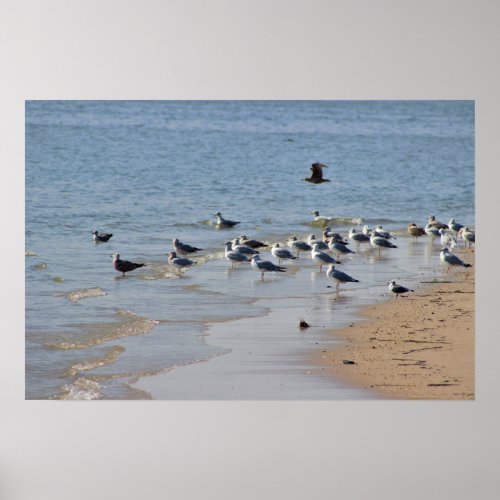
415	230
317	174
124	266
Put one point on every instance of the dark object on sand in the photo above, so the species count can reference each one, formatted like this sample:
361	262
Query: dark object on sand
303	323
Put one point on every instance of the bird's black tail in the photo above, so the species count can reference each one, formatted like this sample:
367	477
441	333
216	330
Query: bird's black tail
467	265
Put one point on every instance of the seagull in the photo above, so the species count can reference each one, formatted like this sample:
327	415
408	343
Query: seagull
179	262
415	230
338	247
379	231
321	244
358	237
244	249
452	260
339	276
265	266
300	246
454	226
380	242
124	266
433	222
317	174
468	236
398	289
281	253
233	256
251	243
322	257
329	234
221	222
432	231
183	249
321	218
367	231
101	237
447	240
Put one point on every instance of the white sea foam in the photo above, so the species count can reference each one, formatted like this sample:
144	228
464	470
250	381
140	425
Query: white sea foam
85	293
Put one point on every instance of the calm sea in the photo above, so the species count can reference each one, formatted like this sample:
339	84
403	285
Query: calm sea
150	171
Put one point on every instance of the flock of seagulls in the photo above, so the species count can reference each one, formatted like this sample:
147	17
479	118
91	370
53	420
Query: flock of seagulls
243	250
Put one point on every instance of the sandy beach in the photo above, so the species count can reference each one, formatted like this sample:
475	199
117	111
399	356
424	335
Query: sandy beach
415	347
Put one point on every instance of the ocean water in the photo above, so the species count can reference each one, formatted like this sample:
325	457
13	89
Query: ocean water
151	171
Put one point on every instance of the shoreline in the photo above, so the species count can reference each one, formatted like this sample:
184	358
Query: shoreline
415	347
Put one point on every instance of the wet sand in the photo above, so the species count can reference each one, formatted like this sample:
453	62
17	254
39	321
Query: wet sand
417	347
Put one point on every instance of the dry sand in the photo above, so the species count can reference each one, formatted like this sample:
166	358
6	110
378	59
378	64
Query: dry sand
415	347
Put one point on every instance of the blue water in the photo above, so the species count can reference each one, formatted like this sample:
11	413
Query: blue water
150	171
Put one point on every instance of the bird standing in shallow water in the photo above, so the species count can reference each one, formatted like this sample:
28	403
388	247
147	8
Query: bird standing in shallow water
380	242
281	253
124	266
339	276
317	174
398	289
265	266
179	262
415	230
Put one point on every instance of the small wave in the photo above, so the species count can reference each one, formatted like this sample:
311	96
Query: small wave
90	364
58	279
82	389
29	253
40	266
131	325
84	293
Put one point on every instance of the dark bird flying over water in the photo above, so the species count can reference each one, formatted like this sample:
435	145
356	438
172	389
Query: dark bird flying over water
317	174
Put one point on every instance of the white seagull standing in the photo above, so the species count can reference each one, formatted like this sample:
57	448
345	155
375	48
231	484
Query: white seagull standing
339	276
452	260
358	237
321	244
321	257
454	226
179	262
468	236
234	257
398	289
245	249
281	253
300	246
379	231
339	248
432	231
380	242
447	239
265	266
